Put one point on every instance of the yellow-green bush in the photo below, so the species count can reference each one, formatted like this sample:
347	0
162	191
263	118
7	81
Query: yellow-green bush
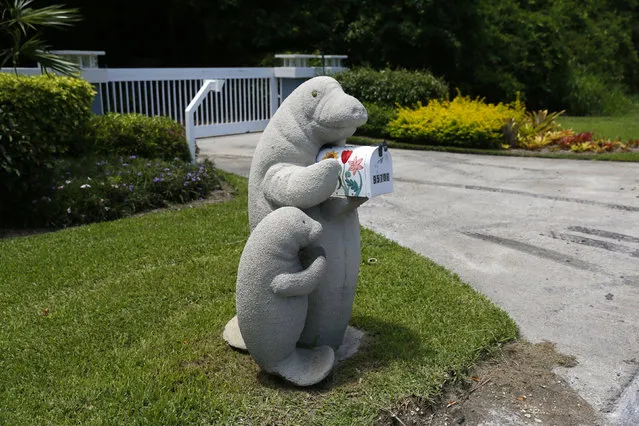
461	122
49	110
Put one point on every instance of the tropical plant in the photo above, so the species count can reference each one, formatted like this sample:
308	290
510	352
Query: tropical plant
537	130
21	26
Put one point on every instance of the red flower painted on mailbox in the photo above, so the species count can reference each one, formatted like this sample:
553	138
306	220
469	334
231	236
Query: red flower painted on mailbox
346	154
355	164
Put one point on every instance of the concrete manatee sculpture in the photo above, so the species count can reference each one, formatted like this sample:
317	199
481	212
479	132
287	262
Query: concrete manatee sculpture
284	172
272	289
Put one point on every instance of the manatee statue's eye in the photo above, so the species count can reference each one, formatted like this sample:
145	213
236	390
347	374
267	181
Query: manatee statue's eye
314	93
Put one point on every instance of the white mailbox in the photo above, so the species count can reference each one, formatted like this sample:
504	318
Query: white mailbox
367	171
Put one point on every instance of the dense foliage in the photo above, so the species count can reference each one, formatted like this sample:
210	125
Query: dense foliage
66	101
136	134
41	119
390	87
93	191
378	118
560	54
60	165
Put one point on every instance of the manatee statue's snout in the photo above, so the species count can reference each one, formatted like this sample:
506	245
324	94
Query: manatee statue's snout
357	112
341	111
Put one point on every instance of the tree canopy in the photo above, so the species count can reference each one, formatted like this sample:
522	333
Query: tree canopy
493	48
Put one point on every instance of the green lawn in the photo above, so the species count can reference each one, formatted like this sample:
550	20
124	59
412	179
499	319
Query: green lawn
624	127
121	323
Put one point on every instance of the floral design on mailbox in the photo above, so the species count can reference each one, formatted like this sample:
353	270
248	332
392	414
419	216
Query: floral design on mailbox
366	171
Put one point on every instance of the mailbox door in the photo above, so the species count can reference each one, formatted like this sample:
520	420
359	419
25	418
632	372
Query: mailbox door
381	174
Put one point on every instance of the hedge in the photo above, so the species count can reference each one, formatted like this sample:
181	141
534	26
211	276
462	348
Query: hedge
391	88
41	118
136	134
378	118
51	111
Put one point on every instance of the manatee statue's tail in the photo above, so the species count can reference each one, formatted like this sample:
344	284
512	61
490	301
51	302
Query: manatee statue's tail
233	335
305	367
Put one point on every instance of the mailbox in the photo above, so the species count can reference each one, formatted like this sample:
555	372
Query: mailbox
367	171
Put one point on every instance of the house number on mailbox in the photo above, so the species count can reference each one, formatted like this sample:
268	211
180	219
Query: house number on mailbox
384	177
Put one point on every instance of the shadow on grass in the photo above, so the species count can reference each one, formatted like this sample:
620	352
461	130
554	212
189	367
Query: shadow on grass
383	342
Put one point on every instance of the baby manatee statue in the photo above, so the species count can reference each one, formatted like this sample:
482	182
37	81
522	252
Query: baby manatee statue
284	172
272	289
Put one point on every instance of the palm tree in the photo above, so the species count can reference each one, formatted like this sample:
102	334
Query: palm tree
20	27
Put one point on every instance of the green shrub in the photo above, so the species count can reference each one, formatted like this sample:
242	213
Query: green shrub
52	112
591	94
41	119
390	88
91	191
378	118
136	134
460	122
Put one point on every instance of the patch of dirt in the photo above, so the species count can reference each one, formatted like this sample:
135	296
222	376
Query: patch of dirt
516	387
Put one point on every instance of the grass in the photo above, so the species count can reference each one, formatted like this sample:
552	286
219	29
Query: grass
120	322
609	156
616	127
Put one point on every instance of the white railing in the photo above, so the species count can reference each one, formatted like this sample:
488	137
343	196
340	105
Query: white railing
246	102
214	86
299	65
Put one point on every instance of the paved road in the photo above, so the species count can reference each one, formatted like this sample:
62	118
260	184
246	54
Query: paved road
555	243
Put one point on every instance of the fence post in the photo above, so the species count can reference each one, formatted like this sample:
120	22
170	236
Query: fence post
189	113
274	95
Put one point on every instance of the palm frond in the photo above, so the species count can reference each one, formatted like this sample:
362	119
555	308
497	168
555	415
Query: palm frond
36	49
55	16
18	19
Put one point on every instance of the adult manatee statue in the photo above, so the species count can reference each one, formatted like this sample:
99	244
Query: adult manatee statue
284	172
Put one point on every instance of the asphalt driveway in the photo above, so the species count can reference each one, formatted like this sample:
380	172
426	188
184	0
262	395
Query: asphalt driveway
555	243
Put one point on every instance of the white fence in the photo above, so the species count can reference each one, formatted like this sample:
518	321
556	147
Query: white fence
249	98
246	103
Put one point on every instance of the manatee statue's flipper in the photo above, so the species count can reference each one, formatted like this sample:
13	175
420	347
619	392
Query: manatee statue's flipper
300	283
302	187
305	367
335	208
